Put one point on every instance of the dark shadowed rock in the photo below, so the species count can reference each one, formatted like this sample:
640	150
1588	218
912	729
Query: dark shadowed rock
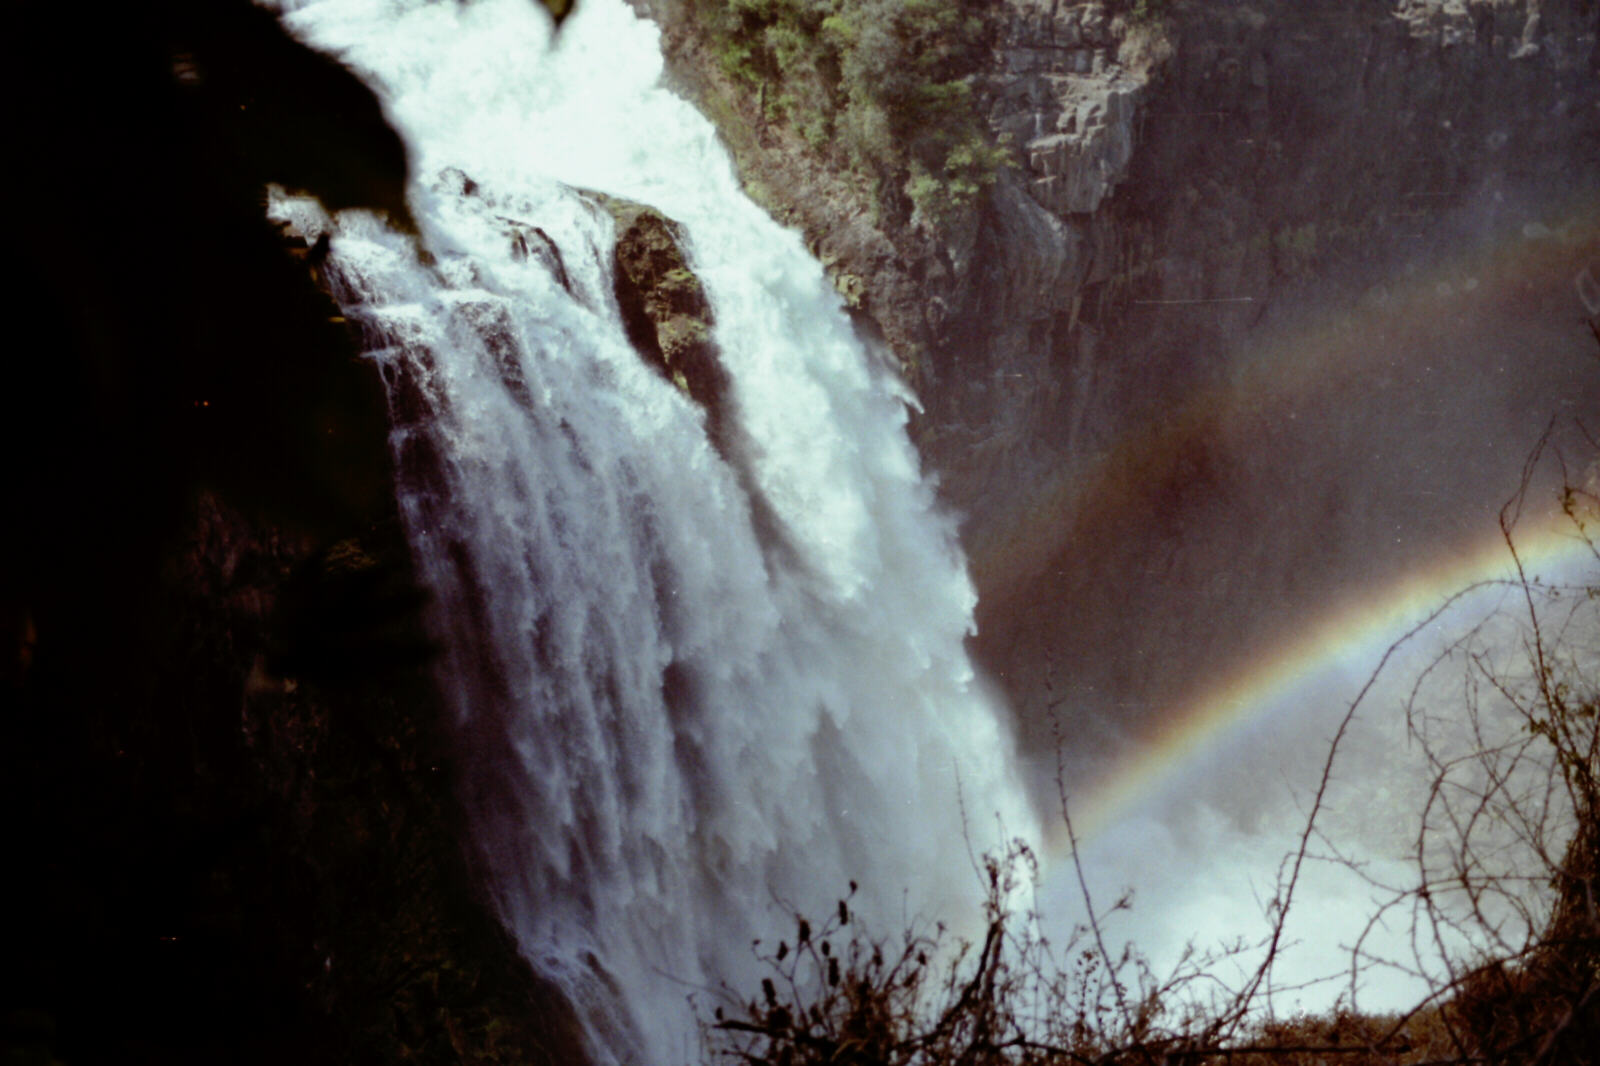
229	811
663	304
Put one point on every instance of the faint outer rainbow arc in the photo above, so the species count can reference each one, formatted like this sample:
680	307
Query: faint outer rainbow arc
1253	690
1028	538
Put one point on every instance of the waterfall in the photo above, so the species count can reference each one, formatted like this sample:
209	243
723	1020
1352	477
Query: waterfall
700	686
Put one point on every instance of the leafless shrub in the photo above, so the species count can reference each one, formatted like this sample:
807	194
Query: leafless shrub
1505	854
1502	906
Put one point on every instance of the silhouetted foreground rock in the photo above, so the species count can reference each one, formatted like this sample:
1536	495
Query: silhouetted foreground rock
231	834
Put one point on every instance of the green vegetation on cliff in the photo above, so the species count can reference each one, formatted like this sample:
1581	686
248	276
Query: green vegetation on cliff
884	88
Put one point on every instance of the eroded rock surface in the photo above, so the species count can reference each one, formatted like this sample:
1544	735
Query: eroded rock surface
1063	95
663	304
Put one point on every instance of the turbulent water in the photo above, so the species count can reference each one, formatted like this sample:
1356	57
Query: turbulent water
682	724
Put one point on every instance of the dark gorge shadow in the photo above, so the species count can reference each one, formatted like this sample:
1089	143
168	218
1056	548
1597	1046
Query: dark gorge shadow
229	803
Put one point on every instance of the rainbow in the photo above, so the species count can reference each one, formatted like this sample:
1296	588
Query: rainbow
1328	358
1357	631
1330	354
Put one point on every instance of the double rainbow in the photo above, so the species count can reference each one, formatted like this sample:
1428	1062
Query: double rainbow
1324	360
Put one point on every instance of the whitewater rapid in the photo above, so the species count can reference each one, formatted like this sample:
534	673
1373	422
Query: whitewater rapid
680	727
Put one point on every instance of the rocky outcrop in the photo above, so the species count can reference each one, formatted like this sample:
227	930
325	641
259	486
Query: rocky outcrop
1063	94
894	278
663	304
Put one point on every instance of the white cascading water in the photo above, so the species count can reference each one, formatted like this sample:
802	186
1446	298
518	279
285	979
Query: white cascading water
681	724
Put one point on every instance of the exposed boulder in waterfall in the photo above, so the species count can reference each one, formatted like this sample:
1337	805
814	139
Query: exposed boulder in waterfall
663	304
669	319
559	9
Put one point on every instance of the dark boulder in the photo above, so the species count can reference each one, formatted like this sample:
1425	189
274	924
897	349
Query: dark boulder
663	304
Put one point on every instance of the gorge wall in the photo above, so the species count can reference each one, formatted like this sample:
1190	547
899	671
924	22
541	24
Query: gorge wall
1245	257
228	849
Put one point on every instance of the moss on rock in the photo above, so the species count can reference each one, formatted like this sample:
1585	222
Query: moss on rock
663	304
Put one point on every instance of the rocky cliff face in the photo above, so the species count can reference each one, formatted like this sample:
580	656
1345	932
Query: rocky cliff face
1281	148
1342	228
1195	186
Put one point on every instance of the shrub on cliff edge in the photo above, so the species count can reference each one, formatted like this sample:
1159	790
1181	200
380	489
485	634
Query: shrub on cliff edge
883	87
